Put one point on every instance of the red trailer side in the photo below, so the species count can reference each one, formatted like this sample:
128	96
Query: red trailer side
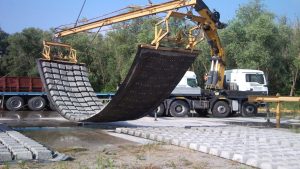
20	84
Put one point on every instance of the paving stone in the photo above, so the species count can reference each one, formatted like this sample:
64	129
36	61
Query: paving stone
152	136
131	132
42	154
118	130
145	135
227	154
203	148
22	155
194	146
137	133
175	141
255	147
215	151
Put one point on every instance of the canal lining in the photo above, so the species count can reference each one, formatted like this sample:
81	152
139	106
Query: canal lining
151	78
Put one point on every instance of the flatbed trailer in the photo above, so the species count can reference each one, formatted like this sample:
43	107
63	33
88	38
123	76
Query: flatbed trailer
21	104
27	93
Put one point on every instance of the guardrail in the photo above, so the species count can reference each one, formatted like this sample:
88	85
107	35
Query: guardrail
274	99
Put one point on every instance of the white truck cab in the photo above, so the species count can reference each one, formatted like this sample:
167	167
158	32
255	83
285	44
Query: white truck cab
188	80
247	80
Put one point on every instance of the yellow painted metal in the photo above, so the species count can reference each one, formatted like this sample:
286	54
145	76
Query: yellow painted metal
194	40
288	111
212	35
71	56
278	115
154	9
161	33
274	99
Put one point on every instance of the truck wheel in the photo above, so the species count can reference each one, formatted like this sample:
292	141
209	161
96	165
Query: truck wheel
36	103
179	108
221	109
159	111
14	103
248	109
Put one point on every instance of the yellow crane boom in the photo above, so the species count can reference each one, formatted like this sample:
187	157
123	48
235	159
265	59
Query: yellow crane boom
208	22
154	9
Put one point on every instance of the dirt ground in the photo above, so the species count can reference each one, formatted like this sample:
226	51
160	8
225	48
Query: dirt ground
104	151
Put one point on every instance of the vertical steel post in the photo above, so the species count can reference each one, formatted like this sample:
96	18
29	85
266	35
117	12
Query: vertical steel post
278	115
268	112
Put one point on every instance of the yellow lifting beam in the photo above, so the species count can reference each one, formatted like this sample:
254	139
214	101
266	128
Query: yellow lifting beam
71	56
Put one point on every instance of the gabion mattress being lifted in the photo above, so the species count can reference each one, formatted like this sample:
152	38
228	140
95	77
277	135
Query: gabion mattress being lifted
151	78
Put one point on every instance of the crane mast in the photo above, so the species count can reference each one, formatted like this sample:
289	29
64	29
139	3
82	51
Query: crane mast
207	21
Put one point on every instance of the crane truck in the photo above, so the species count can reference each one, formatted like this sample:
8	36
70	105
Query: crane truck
184	99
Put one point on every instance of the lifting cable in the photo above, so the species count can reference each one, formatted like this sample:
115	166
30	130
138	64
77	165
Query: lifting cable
79	13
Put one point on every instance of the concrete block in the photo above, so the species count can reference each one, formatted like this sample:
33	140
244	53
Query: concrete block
152	136
76	67
167	140
15	146
185	143
228	154
118	130
160	138
130	132
46	64
204	148
22	155
78	73
284	167
215	151
137	133
175	141
240	157
54	65
145	135
5	156
194	146
42	154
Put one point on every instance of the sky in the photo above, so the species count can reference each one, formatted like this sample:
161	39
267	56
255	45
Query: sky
15	15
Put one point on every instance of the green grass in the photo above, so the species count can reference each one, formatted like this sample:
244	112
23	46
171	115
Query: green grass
105	163
288	109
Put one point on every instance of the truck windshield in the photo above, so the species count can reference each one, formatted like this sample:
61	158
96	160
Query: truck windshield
192	82
259	78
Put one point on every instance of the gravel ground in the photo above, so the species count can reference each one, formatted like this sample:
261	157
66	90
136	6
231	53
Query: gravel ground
93	148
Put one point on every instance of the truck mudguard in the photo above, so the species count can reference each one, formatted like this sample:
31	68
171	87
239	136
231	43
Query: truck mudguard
151	78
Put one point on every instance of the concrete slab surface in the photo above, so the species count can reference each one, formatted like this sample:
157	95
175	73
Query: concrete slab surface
261	148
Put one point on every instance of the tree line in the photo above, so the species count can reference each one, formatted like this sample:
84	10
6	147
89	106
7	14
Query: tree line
254	39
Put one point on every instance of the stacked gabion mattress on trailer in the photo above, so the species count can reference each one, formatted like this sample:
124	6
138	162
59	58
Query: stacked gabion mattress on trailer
151	78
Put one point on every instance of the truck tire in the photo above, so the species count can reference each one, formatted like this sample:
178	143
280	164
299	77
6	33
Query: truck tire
14	103
249	109
221	109
179	108
159	111
36	103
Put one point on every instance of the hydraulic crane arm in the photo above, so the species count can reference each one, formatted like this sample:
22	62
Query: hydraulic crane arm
216	74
